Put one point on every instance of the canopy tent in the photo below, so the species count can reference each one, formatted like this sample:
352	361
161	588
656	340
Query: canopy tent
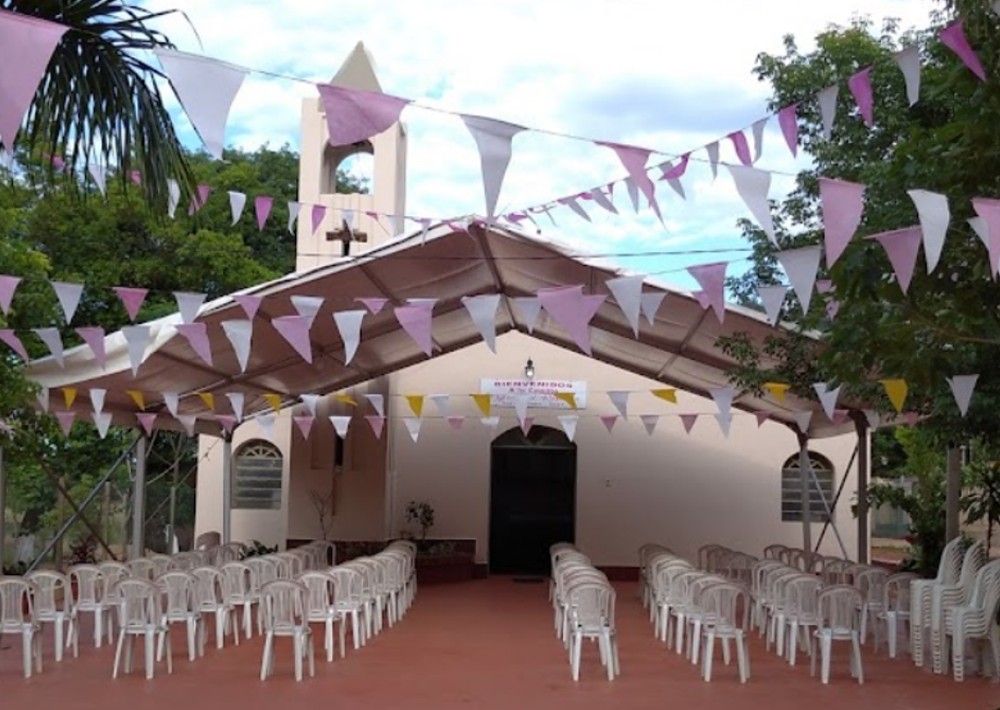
446	263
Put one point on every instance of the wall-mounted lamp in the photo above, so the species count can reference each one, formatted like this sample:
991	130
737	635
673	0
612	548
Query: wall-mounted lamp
529	370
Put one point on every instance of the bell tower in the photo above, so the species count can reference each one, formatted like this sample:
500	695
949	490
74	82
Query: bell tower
318	165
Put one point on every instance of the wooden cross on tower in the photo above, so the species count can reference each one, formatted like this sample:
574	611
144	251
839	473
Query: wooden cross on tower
345	235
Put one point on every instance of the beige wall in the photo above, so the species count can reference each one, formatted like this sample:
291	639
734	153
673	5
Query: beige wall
679	489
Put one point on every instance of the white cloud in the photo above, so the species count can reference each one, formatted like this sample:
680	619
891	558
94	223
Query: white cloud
670	76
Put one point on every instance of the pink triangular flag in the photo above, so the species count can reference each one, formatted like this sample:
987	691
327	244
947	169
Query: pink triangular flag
634	160
953	37
295	330
672	171
132	299
702	299
455	422
377	423
824	286
762	417
136	177
147	420
66	421
688	420
249	304
374	305
262	208
26	45
228	421
739	141
199	199
355	115
789	123
649	421
304	422
843	204
989	211
572	310
712	279
94	337
318	214
416	320
10	337
197	336
902	246
860	85
8	284
68	295
962	387
526	425
800	266
608	420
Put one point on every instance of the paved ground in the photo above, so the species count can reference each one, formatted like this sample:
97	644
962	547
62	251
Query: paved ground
484	644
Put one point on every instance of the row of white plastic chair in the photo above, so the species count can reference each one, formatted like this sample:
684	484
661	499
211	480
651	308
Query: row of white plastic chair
583	603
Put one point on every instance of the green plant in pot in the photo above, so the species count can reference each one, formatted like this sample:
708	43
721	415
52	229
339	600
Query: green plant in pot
421	514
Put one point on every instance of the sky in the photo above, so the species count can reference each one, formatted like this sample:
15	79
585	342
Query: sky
662	74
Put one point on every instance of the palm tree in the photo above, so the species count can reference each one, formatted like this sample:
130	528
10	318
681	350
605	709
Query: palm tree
99	99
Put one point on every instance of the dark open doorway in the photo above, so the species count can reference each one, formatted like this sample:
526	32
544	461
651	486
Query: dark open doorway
532	498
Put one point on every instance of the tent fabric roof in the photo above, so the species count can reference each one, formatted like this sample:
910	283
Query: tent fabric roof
679	350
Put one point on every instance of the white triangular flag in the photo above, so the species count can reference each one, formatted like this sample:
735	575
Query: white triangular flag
483	311
627	291
97	396
758	137
873	417
574	205
69	297
293	214
802	420
650	304
521	407
490	422
239	333
772	298
752	185
725	420
723	398
827	397
442	402
307	306
43	398
340	424
620	400
173	197
96	171
137	337
649	421
349	326
237	400
909	63
800	266
493	139
935	215
568	423
828	108
378	403
188	304
311	400
633	193
602	199
713	157
205	88
266	421
170	399
413	426
237	201
962	387
188	421
53	341
102	420
529	307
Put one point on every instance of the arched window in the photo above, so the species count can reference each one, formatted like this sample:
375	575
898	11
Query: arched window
257	476
791	489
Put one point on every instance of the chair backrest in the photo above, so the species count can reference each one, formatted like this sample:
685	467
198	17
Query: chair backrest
727	606
834	570
974	559
185	561
774	552
52	592
262	571
950	566
592	605
113	572
161	564
985	581
89	582
838	608
870	581
284	605
348	584
896	591
238	580
321	591
179	593
139	604
16	603
211	587
142	568
801	594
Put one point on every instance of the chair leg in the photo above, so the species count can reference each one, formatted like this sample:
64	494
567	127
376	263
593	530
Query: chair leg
297	641
706	672
312	656
268	640
856	648
27	652
58	630
742	657
149	646
576	641
825	642
328	639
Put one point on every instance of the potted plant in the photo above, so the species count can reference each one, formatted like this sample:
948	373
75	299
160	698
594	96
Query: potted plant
422	514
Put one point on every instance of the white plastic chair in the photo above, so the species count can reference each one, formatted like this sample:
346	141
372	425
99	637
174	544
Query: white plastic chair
140	613
801	612
180	608
283	603
838	614
16	610
895	607
728	617
142	568
212	597
592	616
976	621
240	591
921	593
89	582
349	601
53	604
945	596
321	608
870	581
161	564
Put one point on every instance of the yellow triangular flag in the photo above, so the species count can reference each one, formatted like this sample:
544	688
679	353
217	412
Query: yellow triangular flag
416	402
69	394
896	390
777	390
483	401
669	394
274	400
567	397
346	399
137	397
209	399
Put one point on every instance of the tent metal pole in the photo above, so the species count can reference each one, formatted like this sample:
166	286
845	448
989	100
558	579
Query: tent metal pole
139	500
840	490
805	471
227	488
953	492
864	467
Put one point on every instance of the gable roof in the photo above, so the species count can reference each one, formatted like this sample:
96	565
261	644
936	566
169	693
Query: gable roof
679	350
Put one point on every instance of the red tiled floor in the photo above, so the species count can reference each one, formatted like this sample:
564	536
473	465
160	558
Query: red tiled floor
485	644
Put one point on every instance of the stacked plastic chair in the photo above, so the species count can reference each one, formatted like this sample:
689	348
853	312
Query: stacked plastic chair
945	596
922	590
976	621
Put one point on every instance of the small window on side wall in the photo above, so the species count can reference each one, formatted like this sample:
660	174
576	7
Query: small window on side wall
257	476
820	496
